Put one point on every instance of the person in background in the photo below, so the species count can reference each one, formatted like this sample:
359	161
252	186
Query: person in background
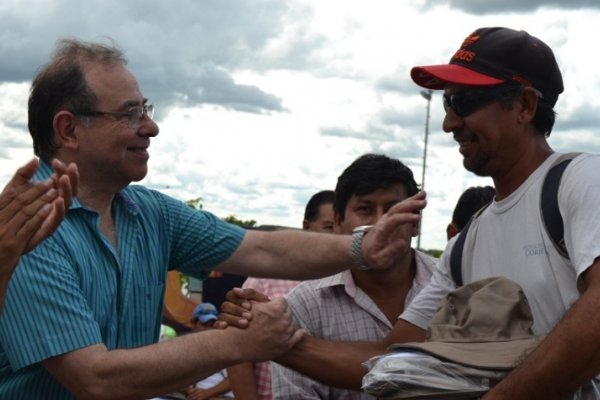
30	212
318	213
252	381
357	304
216	386
97	284
469	202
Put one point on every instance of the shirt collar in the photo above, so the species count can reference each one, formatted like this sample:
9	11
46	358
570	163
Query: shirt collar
45	171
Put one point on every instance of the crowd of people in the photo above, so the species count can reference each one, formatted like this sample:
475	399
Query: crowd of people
87	252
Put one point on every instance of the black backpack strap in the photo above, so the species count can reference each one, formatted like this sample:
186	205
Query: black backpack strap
551	216
457	249
456	255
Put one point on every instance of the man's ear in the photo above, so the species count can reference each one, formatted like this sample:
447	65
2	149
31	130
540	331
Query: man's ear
451	231
305	224
337	222
528	102
65	125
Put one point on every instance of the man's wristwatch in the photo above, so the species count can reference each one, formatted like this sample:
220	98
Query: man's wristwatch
357	237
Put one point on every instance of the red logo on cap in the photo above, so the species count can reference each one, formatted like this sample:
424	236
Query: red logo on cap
472	38
464	55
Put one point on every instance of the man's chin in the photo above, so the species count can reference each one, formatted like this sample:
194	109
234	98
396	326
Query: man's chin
475	168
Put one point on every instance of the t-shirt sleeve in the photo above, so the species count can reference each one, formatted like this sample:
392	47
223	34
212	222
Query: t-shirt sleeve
578	197
420	311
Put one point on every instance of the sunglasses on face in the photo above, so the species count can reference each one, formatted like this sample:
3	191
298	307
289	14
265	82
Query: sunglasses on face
468	101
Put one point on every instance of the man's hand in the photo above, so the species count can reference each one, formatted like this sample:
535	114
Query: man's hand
271	332
384	242
30	212
236	309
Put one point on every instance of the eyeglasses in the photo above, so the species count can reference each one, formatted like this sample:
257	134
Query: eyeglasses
134	114
466	102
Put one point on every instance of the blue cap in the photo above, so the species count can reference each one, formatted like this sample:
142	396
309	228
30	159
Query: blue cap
205	312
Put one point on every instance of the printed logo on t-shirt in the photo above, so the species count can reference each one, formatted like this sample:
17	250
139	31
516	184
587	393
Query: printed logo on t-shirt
532	250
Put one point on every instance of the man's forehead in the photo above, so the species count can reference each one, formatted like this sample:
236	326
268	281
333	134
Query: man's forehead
396	189
112	81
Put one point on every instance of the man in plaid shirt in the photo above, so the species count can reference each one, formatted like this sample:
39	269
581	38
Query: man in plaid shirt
252	381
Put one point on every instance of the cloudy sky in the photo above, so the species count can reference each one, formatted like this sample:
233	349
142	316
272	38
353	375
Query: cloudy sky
261	103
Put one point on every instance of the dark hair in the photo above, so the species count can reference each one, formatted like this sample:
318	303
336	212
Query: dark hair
61	85
311	212
369	173
544	117
470	202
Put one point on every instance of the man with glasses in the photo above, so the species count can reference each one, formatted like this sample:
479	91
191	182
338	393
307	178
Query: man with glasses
96	285
500	89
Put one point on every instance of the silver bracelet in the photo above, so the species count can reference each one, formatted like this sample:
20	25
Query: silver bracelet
357	237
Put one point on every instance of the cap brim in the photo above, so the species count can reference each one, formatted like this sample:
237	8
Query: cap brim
438	76
205	318
486	355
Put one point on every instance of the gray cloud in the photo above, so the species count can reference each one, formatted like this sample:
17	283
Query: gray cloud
479	7
183	52
586	116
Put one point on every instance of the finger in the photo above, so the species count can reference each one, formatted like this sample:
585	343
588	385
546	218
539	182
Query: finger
236	296
66	178
250	294
25	173
58	166
226	320
70	171
391	224
65	190
26	204
235	310
220	324
73	174
413	204
51	216
20	183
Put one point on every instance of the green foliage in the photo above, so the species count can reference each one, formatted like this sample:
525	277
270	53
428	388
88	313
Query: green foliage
434	252
232	219
196	203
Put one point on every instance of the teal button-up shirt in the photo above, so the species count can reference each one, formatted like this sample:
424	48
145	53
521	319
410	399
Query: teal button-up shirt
76	290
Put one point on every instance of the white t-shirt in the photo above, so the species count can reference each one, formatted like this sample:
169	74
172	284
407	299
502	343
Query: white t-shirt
509	239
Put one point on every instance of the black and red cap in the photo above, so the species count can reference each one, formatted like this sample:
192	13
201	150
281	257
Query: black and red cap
491	56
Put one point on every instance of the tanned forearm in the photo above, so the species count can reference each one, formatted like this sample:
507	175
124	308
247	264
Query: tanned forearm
565	360
336	364
95	372
340	364
293	254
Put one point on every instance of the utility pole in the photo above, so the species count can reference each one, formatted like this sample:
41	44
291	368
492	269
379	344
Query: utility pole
427	94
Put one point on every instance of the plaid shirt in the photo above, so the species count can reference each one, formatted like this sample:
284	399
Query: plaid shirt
334	308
